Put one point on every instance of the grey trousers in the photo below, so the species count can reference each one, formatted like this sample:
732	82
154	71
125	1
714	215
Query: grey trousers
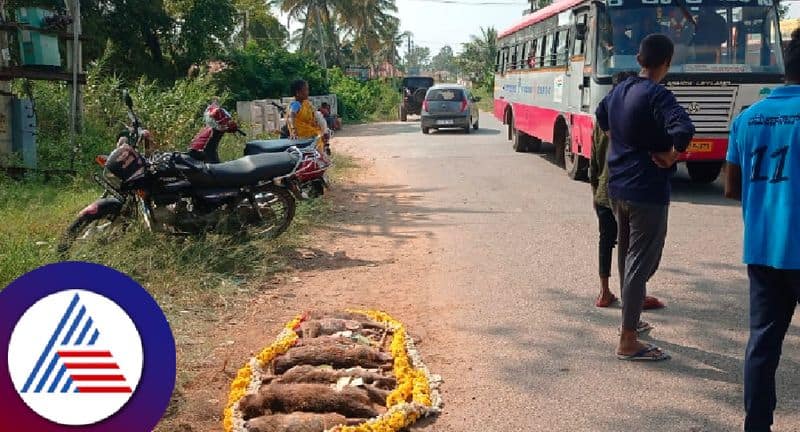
642	231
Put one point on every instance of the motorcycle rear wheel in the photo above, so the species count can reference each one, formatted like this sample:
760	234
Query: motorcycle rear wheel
276	208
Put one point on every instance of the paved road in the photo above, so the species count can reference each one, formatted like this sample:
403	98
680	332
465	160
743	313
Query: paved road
510	322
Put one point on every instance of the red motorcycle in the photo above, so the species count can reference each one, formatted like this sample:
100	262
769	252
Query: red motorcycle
311	173
313	168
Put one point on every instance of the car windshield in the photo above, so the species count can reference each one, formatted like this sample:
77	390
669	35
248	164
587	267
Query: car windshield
423	82
446	95
710	36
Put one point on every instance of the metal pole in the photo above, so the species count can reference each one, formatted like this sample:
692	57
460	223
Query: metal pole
76	54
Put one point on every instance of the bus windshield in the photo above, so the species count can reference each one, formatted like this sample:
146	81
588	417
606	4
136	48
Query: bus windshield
710	36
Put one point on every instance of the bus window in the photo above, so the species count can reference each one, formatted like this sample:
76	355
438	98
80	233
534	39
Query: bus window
531	60
561	51
548	54
541	52
727	38
513	61
523	55
579	47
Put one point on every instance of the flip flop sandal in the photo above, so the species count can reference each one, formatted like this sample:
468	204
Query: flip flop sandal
643	328
646	354
610	302
651	303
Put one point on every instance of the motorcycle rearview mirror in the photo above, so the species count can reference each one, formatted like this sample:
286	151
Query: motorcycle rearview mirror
128	99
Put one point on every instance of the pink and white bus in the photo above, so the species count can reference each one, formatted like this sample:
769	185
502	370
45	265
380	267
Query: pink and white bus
555	66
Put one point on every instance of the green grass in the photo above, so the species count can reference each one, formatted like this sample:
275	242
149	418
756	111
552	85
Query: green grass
181	272
487	99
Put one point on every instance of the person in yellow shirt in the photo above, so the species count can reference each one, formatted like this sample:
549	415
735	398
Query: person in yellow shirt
301	118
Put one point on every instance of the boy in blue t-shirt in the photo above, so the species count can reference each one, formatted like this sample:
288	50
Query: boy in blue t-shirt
764	173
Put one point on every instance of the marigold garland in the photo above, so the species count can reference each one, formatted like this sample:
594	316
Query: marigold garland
244	376
411	399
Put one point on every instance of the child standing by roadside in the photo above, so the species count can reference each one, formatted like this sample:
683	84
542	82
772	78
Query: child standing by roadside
598	177
648	131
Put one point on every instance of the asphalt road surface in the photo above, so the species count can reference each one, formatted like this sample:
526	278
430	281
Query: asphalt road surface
508	297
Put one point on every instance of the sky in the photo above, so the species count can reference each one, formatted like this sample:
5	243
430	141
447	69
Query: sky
435	24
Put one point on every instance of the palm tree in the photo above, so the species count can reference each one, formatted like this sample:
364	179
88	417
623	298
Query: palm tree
477	56
486	42
331	25
373	28
319	29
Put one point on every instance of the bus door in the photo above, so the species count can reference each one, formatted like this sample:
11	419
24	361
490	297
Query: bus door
577	82
576	79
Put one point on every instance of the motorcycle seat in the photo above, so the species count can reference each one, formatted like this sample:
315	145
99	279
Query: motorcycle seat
245	171
276	145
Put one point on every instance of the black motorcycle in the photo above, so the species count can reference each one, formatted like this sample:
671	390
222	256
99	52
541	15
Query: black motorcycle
176	193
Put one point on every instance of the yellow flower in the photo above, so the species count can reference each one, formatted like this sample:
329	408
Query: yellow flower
245	374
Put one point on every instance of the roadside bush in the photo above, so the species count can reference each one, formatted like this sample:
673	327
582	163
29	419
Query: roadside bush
267	73
173	114
359	101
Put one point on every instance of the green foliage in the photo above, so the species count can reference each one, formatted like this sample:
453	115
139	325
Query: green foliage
418	58
258	72
444	60
364	101
477	58
487	98
204	27
173	114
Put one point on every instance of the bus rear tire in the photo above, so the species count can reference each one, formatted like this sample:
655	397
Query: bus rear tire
704	172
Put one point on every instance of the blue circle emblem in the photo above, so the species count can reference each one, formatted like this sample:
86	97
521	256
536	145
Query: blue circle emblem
88	349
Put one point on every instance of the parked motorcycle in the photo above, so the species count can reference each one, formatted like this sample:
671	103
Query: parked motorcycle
176	193
312	171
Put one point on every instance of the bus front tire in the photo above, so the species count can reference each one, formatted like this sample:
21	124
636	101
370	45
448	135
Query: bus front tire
704	172
576	166
520	143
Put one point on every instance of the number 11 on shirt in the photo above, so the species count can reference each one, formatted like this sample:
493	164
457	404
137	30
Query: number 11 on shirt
758	160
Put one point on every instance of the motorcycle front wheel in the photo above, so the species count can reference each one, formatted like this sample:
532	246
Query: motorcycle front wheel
276	207
85	227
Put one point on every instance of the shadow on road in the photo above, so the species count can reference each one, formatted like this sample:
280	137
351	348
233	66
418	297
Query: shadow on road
397	212
379	129
482	131
684	190
717	310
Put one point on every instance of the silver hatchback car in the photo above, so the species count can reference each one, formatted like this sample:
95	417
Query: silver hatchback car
449	106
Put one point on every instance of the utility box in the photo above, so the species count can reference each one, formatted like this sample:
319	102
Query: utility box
37	49
6	146
24	131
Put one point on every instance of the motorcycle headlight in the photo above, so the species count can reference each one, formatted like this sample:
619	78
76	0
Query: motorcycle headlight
112	179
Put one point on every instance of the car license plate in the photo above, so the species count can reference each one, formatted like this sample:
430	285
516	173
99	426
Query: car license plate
700	146
444	122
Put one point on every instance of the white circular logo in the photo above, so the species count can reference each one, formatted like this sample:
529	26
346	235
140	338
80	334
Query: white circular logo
75	357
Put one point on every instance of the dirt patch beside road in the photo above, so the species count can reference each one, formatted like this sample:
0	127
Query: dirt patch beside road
372	253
